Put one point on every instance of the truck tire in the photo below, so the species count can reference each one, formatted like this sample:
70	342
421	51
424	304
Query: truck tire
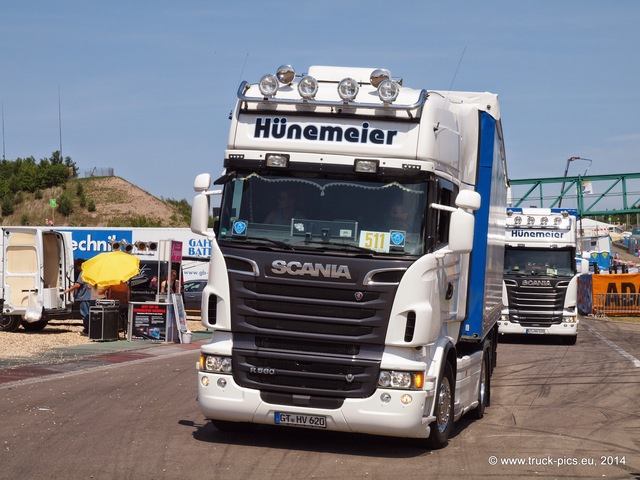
443	426
484	389
10	323
35	326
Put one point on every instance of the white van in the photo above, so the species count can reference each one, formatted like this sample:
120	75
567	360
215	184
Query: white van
35	269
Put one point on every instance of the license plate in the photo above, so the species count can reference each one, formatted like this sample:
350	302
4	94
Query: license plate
537	331
315	421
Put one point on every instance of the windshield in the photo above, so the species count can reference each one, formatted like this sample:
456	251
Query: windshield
320	213
533	262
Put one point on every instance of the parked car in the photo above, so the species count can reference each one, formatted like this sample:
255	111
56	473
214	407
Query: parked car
192	296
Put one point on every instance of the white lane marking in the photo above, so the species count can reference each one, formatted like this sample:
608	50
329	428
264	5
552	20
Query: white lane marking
621	351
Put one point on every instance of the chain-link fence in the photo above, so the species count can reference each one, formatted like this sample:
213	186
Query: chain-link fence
99	172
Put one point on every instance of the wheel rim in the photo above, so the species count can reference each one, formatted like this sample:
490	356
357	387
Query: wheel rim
483	382
443	413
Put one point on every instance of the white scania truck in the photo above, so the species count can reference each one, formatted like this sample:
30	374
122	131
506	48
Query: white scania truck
541	273
356	268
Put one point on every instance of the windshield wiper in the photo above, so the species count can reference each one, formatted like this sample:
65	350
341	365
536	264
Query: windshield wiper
346	246
277	243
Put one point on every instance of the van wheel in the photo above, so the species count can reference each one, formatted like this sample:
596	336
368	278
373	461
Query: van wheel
35	326
10	323
484	389
443	426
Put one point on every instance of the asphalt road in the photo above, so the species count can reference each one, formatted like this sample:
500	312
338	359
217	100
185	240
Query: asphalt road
557	412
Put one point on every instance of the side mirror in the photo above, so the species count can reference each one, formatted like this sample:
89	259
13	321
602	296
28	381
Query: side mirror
461	231
200	214
202	182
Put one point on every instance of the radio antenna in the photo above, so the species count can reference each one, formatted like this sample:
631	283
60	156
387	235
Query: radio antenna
243	65
456	72
239	80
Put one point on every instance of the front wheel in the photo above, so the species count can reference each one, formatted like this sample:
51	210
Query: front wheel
10	323
443	426
35	326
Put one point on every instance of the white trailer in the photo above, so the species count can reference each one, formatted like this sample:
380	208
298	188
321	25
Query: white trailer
36	268
343	313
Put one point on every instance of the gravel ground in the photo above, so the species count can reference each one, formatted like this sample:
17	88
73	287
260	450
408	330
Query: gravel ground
57	334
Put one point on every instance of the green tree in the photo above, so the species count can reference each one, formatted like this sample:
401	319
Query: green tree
7	206
65	205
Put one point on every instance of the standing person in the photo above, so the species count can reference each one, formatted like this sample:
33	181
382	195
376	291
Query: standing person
84	297
173	283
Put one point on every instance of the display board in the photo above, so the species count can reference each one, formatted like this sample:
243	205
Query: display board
148	321
180	315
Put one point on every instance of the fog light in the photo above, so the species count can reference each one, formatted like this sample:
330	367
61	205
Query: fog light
385	398
204	381
277	160
406	399
222	382
308	87
268	85
366	166
285	74
388	91
348	89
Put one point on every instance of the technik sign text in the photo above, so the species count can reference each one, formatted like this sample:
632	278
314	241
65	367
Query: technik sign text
280	128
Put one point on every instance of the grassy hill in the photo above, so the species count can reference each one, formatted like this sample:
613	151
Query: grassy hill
98	202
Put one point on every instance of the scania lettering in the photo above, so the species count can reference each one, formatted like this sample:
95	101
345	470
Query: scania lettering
541	274
314	270
355	280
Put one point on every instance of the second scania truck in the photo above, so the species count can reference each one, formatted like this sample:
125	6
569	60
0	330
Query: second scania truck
541	270
355	280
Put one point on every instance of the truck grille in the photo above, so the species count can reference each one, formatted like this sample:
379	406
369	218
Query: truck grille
536	305
304	337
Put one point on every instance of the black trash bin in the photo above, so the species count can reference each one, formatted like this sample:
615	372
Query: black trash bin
103	321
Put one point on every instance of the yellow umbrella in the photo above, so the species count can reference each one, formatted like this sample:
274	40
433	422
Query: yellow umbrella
110	268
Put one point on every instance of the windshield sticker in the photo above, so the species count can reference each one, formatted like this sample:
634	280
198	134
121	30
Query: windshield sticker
377	241
240	228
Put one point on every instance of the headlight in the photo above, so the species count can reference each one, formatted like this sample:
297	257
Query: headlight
215	364
308	87
403	380
348	89
388	91
268	85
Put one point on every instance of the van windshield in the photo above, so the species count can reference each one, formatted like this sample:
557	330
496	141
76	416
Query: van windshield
324	213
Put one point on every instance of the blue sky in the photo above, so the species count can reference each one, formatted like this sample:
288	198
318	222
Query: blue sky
146	86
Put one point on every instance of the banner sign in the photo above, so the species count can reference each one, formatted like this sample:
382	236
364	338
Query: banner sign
148	321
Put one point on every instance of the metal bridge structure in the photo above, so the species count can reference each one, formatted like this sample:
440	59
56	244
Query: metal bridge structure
592	196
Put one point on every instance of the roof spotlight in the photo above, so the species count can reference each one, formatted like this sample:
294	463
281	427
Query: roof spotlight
348	89
388	91
268	85
285	74
308	87
378	76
